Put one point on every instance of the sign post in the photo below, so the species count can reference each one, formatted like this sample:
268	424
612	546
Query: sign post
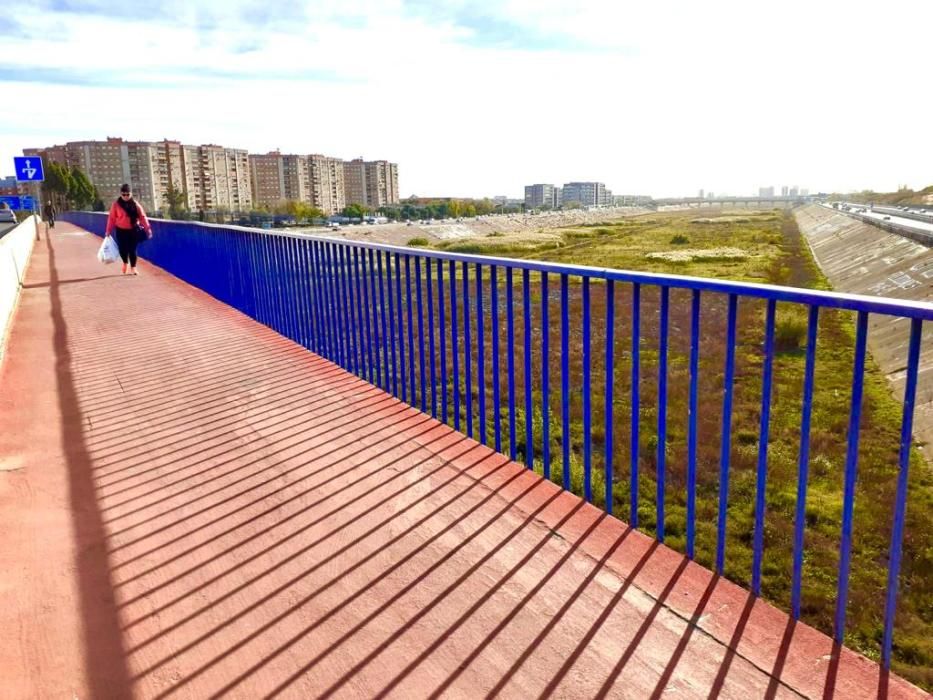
29	169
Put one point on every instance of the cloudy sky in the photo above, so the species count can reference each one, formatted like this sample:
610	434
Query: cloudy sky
480	97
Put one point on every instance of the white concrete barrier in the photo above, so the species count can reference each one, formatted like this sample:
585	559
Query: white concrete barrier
15	251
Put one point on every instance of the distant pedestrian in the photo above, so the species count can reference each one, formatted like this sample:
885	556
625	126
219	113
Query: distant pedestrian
129	219
48	211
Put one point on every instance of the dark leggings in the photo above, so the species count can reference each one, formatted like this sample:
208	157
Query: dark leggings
126	242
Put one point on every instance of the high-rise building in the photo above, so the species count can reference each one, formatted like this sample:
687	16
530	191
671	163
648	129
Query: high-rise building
373	184
588	194
208	176
354	178
540	195
766	191
275	178
792	192
328	192
784	189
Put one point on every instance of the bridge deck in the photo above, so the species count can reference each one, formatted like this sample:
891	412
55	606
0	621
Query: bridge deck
192	506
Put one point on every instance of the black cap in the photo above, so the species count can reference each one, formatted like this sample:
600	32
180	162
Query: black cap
124	187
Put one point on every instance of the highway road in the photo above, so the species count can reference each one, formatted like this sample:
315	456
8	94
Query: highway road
919	230
894	219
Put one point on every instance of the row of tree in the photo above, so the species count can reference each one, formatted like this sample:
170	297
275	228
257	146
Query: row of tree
69	188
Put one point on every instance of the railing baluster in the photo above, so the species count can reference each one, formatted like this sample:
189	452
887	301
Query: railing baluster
480	355
361	332
325	282
565	380
371	311
496	384
322	347
393	324
510	360
526	308
388	335
848	499
342	354
430	288
545	380
424	398
411	333
362	301
587	404
764	433
454	354
400	328
467	350
662	412
286	281
442	338
636	403
726	444
804	460
348	311
900	503
302	311
307	286
610	382
692	422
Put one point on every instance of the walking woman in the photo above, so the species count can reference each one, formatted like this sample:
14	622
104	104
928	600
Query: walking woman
129	219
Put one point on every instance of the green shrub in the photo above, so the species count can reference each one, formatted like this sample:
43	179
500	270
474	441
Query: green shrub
680	239
789	334
418	243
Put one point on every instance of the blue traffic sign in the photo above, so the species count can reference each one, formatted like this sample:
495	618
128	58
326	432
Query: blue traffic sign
19	203
28	169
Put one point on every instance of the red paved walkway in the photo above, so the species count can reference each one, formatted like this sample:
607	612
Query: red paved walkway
192	506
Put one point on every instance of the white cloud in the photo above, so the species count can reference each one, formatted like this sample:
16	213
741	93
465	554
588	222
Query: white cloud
476	98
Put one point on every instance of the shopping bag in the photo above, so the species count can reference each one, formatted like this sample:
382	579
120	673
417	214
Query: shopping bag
108	252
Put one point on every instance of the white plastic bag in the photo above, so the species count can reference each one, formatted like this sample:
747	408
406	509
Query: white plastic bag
109	252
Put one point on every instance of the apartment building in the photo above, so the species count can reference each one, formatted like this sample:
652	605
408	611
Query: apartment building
587	194
212	177
276	177
373	184
327	183
542	195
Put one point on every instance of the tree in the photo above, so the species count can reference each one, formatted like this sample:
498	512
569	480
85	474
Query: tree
355	211
177	204
81	192
58	184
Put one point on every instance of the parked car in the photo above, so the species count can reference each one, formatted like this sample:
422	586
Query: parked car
7	216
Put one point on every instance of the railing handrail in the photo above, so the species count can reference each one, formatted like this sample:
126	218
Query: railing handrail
816	297
322	292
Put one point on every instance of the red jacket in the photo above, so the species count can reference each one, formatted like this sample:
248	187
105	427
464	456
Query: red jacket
119	219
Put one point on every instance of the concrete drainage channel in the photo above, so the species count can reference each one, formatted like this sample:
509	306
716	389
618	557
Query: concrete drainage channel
860	258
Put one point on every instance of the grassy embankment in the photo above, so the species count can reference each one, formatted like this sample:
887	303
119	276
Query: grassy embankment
757	248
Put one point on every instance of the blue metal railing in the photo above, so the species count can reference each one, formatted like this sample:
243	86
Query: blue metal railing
364	306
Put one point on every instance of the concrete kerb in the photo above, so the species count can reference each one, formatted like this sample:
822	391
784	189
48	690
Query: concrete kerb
15	253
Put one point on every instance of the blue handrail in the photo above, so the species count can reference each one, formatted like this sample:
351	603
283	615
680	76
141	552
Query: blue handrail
348	302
